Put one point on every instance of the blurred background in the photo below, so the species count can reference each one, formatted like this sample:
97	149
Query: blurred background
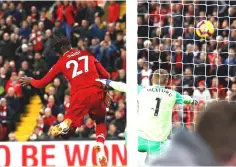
25	26
203	69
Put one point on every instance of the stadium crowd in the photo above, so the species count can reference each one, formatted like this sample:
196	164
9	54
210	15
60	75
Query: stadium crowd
25	28
202	68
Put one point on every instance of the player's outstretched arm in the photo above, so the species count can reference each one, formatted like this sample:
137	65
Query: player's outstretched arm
188	100
42	82
120	86
101	70
185	99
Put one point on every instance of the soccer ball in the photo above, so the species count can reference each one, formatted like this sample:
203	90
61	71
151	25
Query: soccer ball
205	29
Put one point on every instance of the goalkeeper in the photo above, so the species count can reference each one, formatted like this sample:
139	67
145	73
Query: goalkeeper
155	104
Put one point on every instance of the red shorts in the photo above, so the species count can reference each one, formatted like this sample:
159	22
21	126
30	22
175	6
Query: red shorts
87	101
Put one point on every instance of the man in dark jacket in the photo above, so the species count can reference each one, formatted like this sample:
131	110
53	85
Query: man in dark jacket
7	48
212	144
40	67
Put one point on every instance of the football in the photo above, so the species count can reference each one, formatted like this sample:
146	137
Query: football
204	29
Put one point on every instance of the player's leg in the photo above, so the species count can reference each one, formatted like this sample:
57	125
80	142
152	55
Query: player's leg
101	129
74	116
62	128
97	112
155	149
152	148
101	132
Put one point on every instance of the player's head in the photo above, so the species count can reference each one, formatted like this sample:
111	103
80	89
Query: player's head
160	77
217	126
59	44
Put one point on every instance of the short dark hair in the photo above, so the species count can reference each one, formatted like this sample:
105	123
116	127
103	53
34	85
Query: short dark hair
217	126
57	43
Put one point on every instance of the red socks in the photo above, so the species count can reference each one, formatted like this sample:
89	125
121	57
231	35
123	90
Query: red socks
101	132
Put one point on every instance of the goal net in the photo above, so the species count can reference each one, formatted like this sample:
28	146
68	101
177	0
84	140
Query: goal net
201	68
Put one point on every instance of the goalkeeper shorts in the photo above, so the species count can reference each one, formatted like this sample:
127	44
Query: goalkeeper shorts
151	147
148	146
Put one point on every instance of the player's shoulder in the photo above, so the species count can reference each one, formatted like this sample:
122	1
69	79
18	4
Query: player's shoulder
85	53
173	91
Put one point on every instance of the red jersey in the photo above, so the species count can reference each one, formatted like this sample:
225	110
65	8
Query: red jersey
79	67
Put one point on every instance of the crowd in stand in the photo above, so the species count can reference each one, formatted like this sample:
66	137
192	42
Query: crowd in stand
203	69
25	28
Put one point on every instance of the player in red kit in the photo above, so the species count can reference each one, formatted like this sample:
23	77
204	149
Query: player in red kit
87	96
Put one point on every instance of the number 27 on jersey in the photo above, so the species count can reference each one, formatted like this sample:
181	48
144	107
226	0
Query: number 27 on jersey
77	72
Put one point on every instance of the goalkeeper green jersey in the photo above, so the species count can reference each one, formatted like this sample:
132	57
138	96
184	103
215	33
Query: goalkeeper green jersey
155	105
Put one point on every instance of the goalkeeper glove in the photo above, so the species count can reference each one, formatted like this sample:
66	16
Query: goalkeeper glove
104	81
195	102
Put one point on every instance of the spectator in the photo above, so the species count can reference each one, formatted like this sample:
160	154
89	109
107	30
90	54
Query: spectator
48	117
217	90
24	54
6	48
98	29
188	56
92	11
12	99
40	67
12	137
3	80
103	53
119	121
54	107
59	89
87	131
202	93
51	57
24	30
36	38
58	30
14	83
122	76
40	123
113	11
25	68
68	14
7	114
46	22
187	79
3	109
21	10
231	60
34	13
120	62
37	135
201	64
146	75
60	118
51	91
112	133
81	32
14	13
142	27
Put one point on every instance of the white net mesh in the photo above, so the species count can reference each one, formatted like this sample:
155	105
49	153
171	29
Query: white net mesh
201	68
